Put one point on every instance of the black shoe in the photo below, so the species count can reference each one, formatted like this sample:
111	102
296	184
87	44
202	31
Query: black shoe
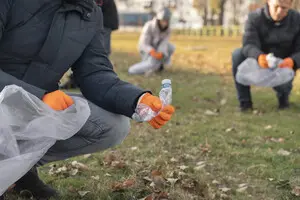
283	103
246	106
32	183
2	197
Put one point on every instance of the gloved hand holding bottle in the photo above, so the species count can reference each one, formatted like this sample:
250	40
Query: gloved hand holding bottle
156	110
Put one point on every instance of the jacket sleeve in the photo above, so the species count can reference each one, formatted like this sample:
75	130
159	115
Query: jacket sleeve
6	79
98	82
296	53
251	40
163	46
145	38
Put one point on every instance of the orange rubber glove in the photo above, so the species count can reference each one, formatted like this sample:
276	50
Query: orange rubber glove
58	100
156	105
287	63
156	55
262	61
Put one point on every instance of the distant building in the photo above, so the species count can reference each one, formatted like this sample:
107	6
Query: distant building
185	15
136	12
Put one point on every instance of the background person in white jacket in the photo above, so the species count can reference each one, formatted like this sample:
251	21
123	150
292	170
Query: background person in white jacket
154	46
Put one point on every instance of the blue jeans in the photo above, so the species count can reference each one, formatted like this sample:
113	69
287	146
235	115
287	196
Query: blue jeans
102	130
243	92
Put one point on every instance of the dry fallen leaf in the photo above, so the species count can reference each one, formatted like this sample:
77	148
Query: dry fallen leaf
198	168
229	130
118	164
174	160
97	178
268	127
123	185
225	189
211	113
158	179
200	163
83	193
223	102
172	180
109	159
74	172
242	187
134	148
157	196
146	178
272	139
183	167
283	152
181	173
87	155
296	191
79	165
61	169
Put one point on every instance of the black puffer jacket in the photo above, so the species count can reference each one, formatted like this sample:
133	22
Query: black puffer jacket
41	39
263	35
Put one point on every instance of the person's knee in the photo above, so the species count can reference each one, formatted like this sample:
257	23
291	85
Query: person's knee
118	131
237	57
172	48
284	88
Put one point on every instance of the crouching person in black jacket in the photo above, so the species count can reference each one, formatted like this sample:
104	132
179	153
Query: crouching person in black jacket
71	34
275	28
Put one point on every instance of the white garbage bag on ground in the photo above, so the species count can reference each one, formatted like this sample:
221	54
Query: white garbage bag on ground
29	128
250	73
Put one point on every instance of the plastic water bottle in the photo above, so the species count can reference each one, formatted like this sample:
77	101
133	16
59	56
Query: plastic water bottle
145	113
165	93
273	61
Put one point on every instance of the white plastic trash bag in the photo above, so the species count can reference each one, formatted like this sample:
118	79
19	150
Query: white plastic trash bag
28	128
250	73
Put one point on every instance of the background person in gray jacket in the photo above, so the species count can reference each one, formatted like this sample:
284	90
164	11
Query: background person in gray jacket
275	28
154	45
60	34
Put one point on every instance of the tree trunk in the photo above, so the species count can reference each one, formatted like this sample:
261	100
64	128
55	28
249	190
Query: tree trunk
205	20
221	14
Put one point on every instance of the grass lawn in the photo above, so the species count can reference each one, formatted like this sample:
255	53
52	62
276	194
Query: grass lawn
209	150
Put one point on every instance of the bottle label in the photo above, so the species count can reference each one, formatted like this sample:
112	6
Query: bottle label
166	85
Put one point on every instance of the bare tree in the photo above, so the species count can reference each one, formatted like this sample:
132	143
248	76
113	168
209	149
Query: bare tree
202	7
236	11
221	4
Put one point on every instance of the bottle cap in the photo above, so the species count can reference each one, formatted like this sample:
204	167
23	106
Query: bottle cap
166	81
